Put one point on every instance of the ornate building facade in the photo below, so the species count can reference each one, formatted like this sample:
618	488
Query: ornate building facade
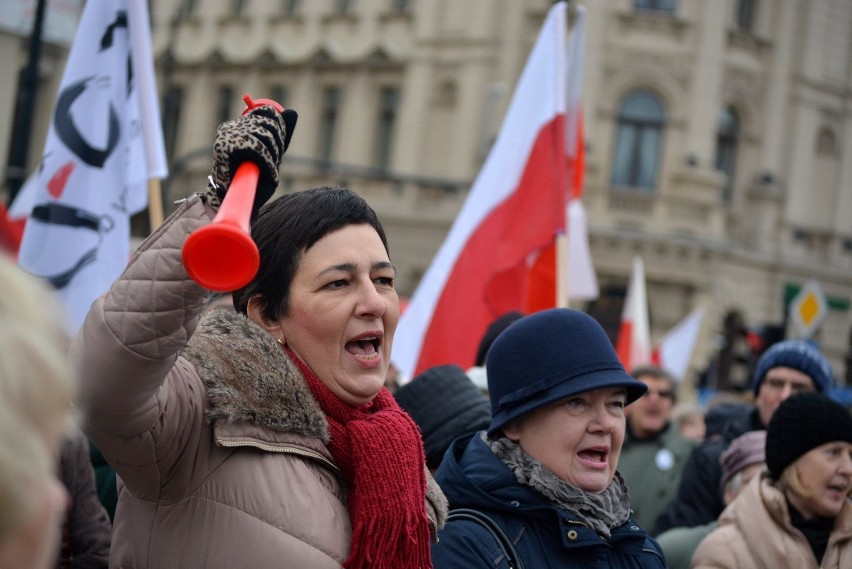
718	134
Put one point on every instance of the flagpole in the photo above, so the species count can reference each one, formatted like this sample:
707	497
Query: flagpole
155	203
16	168
562	264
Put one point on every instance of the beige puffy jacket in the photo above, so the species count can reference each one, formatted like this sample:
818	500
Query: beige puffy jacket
219	444
755	533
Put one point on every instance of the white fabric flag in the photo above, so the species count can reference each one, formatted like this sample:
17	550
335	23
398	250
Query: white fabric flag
581	279
94	171
674	350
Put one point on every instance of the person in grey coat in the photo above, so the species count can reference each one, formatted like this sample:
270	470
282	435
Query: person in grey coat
263	435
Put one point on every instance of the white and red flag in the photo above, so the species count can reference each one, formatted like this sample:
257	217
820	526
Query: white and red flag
551	283
514	209
103	145
634	334
674	350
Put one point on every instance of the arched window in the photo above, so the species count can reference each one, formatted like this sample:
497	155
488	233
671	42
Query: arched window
745	14
824	189
641	120
331	100
386	125
727	136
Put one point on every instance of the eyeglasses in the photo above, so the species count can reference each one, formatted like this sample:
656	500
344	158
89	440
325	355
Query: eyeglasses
661	393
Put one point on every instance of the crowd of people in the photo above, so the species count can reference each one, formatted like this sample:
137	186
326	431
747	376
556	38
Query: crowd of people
258	429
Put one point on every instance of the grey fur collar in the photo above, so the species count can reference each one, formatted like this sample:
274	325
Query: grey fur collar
249	379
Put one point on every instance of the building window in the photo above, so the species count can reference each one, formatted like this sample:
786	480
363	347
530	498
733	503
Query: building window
825	186
187	8
641	120
745	14
290	7
344	7
280	95
826	144
400	6
727	135
656	5
328	121
223	104
388	105
172	105
238	7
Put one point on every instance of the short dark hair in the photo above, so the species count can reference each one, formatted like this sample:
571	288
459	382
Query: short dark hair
657	373
290	225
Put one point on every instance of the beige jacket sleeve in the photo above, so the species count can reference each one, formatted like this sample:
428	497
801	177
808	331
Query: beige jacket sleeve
141	402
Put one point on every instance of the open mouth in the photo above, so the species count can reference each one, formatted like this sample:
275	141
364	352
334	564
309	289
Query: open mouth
366	347
594	455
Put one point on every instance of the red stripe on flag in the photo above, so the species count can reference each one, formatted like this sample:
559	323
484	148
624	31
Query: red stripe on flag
656	358
624	347
577	162
489	276
541	281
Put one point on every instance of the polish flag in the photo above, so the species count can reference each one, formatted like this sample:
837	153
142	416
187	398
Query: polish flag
674	350
564	274
513	211
634	335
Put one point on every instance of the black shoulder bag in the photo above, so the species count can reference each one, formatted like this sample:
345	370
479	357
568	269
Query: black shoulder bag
509	551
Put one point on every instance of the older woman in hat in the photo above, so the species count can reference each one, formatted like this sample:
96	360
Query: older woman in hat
544	472
797	513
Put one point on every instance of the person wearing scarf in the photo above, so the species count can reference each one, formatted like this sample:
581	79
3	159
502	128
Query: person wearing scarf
797	512
259	435
545	469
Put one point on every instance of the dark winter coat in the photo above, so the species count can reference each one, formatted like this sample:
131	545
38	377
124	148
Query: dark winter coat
544	535
652	469
86	529
699	498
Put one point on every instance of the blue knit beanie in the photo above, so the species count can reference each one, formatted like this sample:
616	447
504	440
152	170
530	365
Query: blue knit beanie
800	355
548	356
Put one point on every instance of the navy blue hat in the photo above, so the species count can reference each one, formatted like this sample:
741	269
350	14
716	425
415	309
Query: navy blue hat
548	356
800	355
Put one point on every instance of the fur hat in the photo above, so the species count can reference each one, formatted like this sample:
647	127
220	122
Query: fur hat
801	423
445	404
744	451
548	356
801	355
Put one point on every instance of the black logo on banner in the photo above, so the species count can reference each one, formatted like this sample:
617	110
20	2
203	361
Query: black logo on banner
67	131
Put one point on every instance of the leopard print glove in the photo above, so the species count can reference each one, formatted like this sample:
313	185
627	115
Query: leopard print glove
262	137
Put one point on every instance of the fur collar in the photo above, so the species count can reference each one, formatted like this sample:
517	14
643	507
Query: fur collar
249	379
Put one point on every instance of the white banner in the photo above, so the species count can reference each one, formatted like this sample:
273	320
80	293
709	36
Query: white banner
94	171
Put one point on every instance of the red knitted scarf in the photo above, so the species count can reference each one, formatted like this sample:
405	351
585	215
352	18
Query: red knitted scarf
380	453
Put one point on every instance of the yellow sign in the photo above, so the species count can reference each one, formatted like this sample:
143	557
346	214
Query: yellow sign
808	309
